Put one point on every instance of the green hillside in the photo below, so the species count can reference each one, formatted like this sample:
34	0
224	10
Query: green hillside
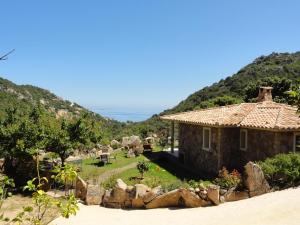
25	97
279	70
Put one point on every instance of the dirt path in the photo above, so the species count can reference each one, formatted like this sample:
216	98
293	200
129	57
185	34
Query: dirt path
104	176
277	208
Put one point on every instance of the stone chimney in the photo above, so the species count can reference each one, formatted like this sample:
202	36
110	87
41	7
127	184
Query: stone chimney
265	94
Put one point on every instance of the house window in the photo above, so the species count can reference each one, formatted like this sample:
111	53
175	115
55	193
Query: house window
243	140
297	142
206	138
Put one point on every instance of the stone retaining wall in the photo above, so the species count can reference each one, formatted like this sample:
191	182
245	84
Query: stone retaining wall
141	196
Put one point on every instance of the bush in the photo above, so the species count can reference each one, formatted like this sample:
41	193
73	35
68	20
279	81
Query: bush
282	170
228	180
142	167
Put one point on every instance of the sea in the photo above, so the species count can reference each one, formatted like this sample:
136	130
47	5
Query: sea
126	114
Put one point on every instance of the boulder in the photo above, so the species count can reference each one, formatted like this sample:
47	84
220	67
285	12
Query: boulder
94	195
169	199
213	194
130	154
141	190
81	188
121	184
231	196
115	144
131	142
149	196
192	200
177	198
138	203
138	150
255	182
203	194
125	142
116	198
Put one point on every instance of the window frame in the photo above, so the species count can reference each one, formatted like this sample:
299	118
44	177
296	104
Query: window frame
246	140
209	138
294	142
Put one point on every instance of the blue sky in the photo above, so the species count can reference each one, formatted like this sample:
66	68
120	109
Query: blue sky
139	53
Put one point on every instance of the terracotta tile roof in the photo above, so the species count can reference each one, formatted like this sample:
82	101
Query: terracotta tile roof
261	115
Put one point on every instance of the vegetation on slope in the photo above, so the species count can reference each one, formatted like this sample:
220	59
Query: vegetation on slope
279	70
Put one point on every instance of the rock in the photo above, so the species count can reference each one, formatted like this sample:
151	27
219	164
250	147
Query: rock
213	194
125	142
222	199
150	140
115	144
138	150
105	149
169	199
191	189
94	195
197	190
130	188
138	203
130	154
81	188
121	184
141	190
203	194
177	198
255	182
231	196
149	196
116	198
223	191
191	200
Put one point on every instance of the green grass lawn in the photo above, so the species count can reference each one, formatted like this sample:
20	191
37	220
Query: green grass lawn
91	168
161	172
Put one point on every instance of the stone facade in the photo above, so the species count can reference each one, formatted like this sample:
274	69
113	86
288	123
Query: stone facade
225	147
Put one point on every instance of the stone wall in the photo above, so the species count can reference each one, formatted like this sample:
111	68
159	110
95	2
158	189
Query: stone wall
225	147
190	144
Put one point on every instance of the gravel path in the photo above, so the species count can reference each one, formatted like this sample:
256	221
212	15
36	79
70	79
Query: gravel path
277	208
104	176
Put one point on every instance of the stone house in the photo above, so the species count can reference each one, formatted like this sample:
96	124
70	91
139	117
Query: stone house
235	134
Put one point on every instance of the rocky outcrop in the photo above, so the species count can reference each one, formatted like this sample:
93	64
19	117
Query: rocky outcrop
255	181
94	195
81	188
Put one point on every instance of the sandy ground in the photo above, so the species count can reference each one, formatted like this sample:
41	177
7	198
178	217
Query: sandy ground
277	208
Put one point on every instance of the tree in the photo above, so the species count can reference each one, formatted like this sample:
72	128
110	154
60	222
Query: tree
142	167
59	141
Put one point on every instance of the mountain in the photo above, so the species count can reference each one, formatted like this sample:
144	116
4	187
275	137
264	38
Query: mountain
25	97
279	70
274	69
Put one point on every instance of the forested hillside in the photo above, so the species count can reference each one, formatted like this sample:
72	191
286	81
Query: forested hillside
279	70
26	97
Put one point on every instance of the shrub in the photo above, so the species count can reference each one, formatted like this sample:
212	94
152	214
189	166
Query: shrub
170	186
282	170
142	167
228	180
110	182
